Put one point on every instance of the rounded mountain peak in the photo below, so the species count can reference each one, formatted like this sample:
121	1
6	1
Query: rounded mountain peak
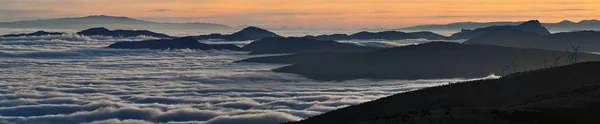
255	31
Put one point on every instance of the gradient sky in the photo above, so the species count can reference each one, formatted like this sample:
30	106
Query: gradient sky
309	13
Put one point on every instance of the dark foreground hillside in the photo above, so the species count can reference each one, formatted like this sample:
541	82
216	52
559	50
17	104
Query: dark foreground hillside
564	95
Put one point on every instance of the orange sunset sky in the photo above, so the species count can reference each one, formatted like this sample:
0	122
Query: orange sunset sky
309	13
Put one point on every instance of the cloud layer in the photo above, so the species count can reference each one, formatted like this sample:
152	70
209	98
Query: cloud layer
70	79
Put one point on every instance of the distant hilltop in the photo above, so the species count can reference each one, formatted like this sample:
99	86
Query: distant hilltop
114	22
565	25
248	33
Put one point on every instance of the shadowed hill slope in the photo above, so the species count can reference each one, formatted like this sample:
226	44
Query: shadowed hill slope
296	58
177	43
425	61
567	94
277	45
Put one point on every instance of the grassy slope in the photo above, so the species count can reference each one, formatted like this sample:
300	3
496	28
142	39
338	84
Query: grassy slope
562	94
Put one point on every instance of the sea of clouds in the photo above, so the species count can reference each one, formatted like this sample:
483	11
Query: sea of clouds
74	79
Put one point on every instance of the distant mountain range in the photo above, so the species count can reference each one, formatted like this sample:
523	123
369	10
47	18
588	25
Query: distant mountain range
98	31
532	35
112	22
385	35
532	26
101	31
37	33
248	33
560	26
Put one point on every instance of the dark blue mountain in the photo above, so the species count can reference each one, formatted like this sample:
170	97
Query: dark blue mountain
386	35
101	31
177	43
277	45
37	33
533	26
248	33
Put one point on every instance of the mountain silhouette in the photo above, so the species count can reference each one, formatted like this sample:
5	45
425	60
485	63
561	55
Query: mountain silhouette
177	43
385	35
101	31
278	45
433	60
253	33
458	26
587	40
533	26
565	25
37	33
527	38
567	94
113	22
248	33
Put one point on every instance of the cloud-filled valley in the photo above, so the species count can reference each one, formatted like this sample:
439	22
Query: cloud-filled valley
73	79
